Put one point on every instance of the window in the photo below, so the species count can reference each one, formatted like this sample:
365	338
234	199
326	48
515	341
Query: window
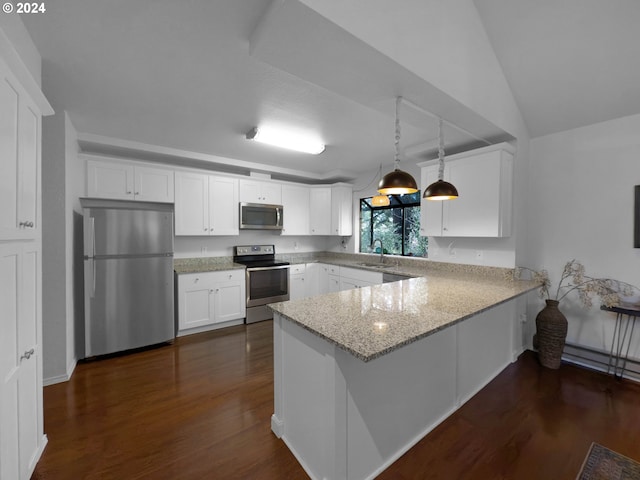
396	225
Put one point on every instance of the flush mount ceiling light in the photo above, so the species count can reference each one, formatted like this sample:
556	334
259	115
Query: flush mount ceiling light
440	190
380	200
285	139
397	182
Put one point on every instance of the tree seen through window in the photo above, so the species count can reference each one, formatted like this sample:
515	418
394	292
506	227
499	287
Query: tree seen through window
396	225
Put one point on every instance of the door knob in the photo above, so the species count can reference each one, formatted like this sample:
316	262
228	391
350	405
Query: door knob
27	354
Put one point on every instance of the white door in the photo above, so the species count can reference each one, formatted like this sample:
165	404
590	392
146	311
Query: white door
320	208
224	207
28	141
195	300
192	204
295	206
229	301
430	210
9	365
153	184
109	180
9	155
341	211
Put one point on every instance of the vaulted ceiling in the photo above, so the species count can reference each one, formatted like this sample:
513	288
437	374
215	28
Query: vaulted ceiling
173	80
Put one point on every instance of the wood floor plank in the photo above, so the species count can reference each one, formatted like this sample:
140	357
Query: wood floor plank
201	407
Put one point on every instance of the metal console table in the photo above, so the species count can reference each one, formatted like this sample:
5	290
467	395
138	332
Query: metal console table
626	316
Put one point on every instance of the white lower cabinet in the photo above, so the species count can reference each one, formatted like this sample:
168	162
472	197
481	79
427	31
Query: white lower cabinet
209	300
21	433
357	278
297	282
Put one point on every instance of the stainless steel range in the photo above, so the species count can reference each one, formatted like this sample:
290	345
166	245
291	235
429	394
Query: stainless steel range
267	279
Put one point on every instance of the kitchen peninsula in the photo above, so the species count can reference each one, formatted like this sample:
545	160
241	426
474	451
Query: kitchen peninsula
361	375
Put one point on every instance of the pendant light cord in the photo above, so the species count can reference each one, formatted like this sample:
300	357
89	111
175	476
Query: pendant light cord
397	143
440	150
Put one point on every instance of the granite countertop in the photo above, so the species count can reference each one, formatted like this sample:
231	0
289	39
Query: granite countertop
204	264
372	321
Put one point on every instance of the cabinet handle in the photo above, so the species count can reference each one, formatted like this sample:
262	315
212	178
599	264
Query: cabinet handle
230	276
129	192
22	224
27	354
206	229
211	291
30	224
137	193
196	280
217	290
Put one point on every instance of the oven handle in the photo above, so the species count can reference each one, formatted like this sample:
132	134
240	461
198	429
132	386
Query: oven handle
257	269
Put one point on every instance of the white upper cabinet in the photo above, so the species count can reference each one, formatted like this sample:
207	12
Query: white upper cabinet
320	210
19	151
129	181
295	206
256	191
224	208
205	204
484	179
341	211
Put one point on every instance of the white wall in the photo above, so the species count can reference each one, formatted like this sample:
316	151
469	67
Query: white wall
54	339
62	309
580	205
187	247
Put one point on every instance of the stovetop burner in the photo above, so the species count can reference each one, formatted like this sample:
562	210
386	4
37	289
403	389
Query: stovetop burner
257	256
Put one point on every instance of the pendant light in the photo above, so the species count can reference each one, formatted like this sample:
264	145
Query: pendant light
440	190
380	200
397	182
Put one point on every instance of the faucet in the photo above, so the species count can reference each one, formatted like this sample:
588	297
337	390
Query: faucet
373	244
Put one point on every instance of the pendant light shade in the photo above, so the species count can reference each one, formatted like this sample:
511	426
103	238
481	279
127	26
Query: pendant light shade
440	190
380	201
397	182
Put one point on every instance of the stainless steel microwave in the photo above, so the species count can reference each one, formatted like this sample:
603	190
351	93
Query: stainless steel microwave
259	216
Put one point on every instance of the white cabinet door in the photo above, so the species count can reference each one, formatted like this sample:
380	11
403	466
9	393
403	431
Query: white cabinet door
192	204
256	191
341	211
297	282
229	295
19	151
195	301
21	431
320	208
430	210
295	206
109	180
28	142
223	206
334	283
208	298
477	212
153	184
484	181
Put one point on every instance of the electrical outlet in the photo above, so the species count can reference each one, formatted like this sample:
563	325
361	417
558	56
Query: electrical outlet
523	318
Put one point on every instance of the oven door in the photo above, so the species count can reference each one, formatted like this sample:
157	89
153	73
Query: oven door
267	285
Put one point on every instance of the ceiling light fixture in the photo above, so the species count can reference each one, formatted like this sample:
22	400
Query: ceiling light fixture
380	200
440	190
284	139
397	182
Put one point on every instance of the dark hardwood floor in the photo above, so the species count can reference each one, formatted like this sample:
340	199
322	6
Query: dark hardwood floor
200	409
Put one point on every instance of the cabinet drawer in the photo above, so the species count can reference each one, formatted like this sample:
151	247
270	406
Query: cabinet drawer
297	269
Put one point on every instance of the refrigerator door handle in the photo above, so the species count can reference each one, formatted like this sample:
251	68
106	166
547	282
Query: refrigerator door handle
92	275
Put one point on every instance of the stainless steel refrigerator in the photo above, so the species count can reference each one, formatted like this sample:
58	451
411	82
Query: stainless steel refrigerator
128	275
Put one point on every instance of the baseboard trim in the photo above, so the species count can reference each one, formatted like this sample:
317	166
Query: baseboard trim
61	378
598	360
